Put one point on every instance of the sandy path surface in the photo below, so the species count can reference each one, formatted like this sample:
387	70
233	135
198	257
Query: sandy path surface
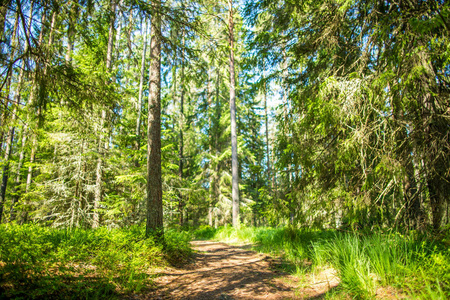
221	271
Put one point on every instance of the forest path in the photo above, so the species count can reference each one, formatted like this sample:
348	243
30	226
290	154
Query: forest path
222	271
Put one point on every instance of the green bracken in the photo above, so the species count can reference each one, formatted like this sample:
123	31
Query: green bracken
41	262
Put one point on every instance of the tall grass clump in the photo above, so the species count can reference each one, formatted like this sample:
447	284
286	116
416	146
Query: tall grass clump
41	262
232	235
347	255
204	232
415	266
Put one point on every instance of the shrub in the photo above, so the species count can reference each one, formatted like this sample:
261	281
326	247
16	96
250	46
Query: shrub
41	262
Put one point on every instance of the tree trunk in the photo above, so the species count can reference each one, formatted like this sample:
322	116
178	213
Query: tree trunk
9	145
3	12
10	140
39	110
217	145
73	14
286	129
154	225
234	156
403	151
181	141
211	141
6	170
103	140
266	121
435	141
137	145
9	73
15	197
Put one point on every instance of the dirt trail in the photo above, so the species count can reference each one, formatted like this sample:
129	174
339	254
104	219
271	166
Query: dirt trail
221	271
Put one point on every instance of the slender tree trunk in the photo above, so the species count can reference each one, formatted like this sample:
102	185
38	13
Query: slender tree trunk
103	138
154	225
9	145
137	145
174	36
234	156
286	132
6	170
181	141
10	140
39	110
120	23
3	11
73	14
266	121
15	197
8	80
217	145
211	141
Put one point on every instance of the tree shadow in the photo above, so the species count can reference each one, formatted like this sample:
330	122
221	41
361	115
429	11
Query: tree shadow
218	272
58	287
15	283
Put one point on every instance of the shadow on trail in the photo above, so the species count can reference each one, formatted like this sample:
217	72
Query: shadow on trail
223	272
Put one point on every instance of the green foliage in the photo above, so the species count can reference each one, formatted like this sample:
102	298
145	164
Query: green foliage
204	232
41	262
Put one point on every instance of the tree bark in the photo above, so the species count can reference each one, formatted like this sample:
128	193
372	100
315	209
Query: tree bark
181	141
9	73
103	141
137	145
3	11
9	145
266	121
4	119
154	225
33	99
217	144
73	14
15	197
6	170
435	140
234	157
211	141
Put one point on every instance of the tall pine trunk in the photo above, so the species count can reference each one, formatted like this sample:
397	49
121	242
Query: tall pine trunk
137	144
181	141
32	100
6	170
15	197
234	156
211	141
154	225
217	144
103	139
9	73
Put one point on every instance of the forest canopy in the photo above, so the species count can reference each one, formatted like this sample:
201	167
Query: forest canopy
317	114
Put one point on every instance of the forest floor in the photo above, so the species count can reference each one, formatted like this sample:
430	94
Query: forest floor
222	271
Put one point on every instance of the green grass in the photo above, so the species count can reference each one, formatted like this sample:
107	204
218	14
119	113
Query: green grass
414	265
40	262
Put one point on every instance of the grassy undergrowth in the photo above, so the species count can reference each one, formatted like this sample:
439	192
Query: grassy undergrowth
41	263
416	266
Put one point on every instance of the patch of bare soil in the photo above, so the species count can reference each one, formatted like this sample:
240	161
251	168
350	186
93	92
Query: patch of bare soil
221	271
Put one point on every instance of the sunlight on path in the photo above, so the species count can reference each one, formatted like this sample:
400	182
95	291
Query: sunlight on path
221	271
